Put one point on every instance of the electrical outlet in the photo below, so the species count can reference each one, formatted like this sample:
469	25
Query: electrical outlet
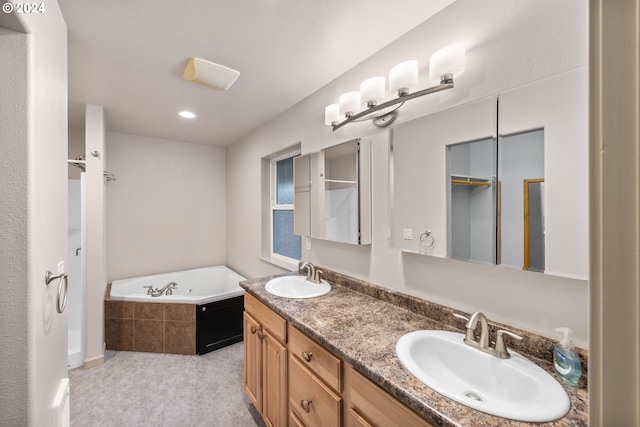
407	233
61	267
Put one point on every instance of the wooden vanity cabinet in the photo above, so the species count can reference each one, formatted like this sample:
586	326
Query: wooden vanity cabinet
265	361
371	406
294	381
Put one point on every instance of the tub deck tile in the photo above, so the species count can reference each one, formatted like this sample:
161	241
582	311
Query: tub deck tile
149	311
180	312
148	335
119	334
179	337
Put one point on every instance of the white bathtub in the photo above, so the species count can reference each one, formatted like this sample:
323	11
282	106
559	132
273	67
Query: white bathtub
198	286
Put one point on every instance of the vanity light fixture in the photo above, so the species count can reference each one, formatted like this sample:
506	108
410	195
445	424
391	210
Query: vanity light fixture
187	115
444	65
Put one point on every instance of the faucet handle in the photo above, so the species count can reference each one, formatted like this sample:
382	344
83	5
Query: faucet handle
316	278
461	317
501	347
149	289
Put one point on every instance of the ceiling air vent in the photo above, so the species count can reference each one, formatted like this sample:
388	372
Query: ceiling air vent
210	74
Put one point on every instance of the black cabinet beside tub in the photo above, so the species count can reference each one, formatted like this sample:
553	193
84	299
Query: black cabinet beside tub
219	324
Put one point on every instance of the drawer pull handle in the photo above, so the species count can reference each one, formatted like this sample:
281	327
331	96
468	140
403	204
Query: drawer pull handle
260	334
306	405
307	355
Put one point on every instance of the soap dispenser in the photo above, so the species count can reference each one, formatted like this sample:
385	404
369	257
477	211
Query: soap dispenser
566	360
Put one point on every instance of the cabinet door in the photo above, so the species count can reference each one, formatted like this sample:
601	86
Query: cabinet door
274	382
252	361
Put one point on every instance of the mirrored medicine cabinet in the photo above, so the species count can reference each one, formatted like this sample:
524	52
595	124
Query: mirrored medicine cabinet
500	181
332	198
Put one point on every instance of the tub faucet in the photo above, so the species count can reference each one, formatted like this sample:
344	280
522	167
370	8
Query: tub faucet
166	289
313	275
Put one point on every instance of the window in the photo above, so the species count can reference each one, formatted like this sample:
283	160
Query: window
284	244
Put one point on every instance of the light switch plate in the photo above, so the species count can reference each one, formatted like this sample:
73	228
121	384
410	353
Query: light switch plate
407	233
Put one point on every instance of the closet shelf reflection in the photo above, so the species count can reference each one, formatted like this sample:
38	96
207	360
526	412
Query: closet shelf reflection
469	180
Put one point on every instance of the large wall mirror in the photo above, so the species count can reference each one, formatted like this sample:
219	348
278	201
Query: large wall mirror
499	181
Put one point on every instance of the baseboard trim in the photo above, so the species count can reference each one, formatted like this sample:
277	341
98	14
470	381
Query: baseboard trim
92	363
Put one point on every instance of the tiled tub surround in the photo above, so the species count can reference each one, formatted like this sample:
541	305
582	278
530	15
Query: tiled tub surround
361	323
152	327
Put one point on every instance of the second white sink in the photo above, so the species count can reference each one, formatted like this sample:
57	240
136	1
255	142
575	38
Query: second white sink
514	388
296	287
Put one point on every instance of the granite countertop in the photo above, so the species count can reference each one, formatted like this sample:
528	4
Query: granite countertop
363	331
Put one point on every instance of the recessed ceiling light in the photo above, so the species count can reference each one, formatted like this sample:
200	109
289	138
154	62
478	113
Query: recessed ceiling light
187	114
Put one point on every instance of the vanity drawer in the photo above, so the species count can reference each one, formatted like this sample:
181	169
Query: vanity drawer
317	359
372	406
311	401
273	323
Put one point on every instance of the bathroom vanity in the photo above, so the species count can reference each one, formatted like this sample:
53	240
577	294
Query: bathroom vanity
322	389
333	361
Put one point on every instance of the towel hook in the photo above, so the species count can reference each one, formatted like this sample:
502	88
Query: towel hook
63	292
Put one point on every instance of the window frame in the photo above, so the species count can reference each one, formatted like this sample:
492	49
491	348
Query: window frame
273	205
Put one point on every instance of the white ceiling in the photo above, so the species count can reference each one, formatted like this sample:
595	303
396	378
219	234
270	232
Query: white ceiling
129	56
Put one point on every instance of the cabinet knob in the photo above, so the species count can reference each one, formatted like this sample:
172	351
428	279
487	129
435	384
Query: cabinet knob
254	329
260	334
306	405
307	355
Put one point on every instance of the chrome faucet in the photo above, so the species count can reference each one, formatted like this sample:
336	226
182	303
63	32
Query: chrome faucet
482	343
313	275
166	289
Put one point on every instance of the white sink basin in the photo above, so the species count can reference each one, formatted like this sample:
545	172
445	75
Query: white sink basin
514	388
296	287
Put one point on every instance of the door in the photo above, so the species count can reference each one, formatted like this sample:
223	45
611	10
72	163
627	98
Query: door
253	361
274	382
33	196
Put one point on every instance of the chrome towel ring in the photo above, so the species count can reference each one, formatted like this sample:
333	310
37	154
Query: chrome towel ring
63	292
426	242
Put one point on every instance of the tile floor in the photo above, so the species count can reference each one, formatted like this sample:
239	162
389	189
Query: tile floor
152	389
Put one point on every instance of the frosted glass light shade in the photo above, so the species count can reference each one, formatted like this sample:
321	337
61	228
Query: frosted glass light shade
403	78
372	91
332	114
448	60
349	103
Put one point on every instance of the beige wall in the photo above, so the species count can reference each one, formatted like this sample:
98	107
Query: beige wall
167	207
544	38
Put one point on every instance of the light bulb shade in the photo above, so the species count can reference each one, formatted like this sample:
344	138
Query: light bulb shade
372	91
332	114
403	78
449	60
349	103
